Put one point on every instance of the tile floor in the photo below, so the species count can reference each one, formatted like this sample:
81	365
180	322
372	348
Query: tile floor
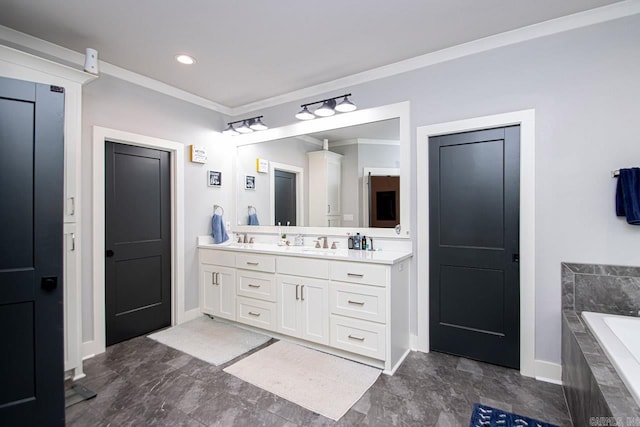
141	382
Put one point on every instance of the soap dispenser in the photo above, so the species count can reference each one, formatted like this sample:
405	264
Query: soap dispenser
357	242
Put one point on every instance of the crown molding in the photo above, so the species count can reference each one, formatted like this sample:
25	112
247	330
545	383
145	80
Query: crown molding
554	26
15	38
542	29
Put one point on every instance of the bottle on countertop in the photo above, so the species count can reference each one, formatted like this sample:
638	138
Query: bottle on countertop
364	243
350	242
357	242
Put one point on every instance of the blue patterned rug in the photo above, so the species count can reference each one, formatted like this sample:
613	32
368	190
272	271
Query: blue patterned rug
486	416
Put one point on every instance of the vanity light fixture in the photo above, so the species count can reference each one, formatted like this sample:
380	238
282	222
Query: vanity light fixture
328	107
246	126
185	59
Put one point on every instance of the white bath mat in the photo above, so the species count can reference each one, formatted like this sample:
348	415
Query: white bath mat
325	384
210	340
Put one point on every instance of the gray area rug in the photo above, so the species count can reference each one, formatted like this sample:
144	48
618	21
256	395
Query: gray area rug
210	340
320	382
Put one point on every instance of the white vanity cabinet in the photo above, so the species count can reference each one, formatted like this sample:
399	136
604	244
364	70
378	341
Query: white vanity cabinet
303	308
325	177
350	303
217	284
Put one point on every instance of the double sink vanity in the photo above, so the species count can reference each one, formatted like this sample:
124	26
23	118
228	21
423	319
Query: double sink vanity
354	304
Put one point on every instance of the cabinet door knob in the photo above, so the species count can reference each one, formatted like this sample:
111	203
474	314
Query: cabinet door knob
297	289
302	292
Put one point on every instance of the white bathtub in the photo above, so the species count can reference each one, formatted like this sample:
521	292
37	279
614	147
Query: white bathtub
619	336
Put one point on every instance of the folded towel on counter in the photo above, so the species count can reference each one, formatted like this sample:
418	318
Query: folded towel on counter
217	229
253	219
628	195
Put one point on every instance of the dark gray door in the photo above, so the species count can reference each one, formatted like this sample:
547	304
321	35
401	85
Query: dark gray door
31	193
138	241
285	197
474	181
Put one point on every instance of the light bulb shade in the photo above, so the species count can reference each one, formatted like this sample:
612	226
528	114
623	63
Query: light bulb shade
305	114
91	61
230	131
256	124
345	106
244	128
326	109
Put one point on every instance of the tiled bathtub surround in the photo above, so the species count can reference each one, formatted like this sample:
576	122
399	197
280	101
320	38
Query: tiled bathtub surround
591	384
601	288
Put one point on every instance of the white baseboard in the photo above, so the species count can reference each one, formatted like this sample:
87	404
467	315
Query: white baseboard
414	343
91	348
191	314
548	372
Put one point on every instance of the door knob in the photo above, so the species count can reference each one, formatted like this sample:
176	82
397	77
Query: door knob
49	283
109	253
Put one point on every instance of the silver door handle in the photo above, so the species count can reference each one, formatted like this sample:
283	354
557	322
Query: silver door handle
302	292
355	275
297	289
213	278
251	285
355	302
251	313
73	206
252	263
73	241
328	208
356	338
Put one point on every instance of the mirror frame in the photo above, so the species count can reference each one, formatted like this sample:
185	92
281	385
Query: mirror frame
399	111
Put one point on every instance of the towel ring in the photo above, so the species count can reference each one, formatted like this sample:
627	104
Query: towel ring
254	210
215	209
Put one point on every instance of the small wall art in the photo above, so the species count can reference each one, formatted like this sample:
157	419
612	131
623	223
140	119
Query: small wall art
214	179
249	182
198	154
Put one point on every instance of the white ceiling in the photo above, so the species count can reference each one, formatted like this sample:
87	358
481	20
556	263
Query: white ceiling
252	50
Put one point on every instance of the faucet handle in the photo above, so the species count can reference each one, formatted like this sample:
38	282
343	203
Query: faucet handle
318	244
333	246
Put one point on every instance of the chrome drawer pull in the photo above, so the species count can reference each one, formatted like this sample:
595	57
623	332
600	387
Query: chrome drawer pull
355	302
356	338
251	285
355	275
302	293
252	263
251	313
297	290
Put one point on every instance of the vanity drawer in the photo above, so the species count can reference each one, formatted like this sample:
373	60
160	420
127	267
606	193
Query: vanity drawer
256	262
220	257
306	267
357	272
257	285
359	301
256	313
358	336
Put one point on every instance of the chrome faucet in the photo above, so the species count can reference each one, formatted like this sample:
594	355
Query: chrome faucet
325	245
244	238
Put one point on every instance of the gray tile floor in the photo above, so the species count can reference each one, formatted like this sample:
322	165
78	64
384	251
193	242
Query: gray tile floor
141	382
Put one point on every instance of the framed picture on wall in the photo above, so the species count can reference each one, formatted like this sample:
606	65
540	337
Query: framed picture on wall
214	179
249	182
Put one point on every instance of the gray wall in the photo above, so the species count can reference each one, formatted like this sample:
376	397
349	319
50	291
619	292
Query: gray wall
585	87
113	103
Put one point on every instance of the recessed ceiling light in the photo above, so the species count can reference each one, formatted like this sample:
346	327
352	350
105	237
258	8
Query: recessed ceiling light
185	59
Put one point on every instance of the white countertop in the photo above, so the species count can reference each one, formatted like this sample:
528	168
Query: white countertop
375	257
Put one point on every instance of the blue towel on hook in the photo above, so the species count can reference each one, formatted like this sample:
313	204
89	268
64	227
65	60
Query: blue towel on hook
217	229
253	219
628	195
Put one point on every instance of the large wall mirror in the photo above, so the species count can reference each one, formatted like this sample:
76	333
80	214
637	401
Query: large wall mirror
346	171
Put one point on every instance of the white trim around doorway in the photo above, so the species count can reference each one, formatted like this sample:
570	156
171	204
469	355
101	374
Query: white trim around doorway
176	150
299	190
526	120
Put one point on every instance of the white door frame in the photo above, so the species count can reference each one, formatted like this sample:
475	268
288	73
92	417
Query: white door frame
526	120
299	191
365	184
176	150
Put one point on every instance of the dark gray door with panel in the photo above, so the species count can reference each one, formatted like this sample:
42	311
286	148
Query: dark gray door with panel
137	240
285	197
31	212
474	181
